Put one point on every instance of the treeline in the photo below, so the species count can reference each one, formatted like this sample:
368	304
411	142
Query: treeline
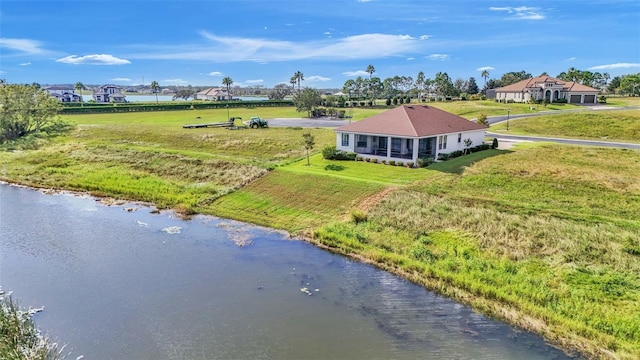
75	108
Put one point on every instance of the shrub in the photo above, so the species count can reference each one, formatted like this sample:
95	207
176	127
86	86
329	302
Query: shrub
399	163
494	143
358	216
425	161
410	164
392	162
367	159
388	102
456	153
383	162
482	120
395	101
443	156
329	152
358	158
602	99
375	161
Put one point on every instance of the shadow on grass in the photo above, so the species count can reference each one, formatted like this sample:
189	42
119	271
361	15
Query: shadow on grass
334	167
457	165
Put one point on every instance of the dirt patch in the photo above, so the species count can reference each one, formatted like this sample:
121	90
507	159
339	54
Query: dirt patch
368	203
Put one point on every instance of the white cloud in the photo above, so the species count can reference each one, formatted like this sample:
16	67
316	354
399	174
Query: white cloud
411	58
570	59
216	73
230	49
327	33
424	37
521	12
23	45
317	78
175	82
25	64
2	72
485	68
253	82
615	66
120	79
441	57
363	1
355	73
94	59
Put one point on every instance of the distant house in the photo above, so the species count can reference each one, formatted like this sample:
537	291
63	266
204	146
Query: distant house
109	93
63	93
546	87
408	133
213	94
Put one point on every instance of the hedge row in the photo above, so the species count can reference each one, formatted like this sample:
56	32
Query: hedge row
134	107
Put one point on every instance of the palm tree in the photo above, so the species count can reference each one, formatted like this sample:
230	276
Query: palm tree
370	70
227	81
292	81
298	76
485	75
79	87
154	88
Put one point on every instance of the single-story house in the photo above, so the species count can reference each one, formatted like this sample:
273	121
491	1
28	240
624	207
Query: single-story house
546	87
215	94
109	93
407	133
63	93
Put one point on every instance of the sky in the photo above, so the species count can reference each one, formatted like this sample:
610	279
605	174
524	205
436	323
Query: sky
264	42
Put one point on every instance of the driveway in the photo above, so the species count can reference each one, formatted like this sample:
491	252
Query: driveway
307	122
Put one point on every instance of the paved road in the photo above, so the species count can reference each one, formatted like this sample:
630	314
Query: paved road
308	123
498	119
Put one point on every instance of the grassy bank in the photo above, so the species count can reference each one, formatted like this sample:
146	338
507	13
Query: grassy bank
19	338
618	125
543	236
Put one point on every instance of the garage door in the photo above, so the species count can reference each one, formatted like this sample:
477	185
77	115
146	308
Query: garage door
589	99
575	99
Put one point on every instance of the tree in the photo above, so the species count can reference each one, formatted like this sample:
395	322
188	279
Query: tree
420	84
155	87
614	84
79	87
298	76
443	85
184	94
472	87
25	109
279	92
370	70
349	88
227	81
309	141
467	144
513	77
482	120
375	87
307	100
485	75
630	84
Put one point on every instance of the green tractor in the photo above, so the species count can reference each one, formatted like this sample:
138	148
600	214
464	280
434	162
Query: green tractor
257	122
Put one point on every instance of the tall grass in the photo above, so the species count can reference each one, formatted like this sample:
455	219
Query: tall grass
19	337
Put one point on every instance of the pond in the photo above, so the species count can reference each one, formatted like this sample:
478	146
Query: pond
126	282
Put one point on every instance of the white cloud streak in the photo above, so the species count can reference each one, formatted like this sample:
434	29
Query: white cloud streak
229	49
27	46
441	57
25	64
485	68
615	66
317	78
94	59
253	82
216	73
175	82
521	12
355	73
120	79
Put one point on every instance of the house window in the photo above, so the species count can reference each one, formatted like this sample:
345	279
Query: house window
460	137
345	139
442	142
396	145
362	141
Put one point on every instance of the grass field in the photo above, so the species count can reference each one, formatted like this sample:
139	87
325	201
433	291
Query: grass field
544	236
617	125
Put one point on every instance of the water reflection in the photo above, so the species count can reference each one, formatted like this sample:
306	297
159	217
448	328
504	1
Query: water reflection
116	284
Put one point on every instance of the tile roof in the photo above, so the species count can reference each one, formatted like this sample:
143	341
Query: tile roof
212	91
533	83
412	121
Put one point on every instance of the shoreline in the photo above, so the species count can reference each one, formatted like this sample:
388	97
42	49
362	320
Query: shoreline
571	346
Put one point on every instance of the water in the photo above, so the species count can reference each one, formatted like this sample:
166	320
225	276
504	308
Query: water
120	282
152	98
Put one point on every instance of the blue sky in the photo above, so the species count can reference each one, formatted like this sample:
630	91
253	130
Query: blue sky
263	42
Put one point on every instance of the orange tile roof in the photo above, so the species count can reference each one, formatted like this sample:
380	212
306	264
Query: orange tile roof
532	83
412	121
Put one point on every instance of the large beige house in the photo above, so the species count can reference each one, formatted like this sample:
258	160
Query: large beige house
407	133
546	87
214	94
